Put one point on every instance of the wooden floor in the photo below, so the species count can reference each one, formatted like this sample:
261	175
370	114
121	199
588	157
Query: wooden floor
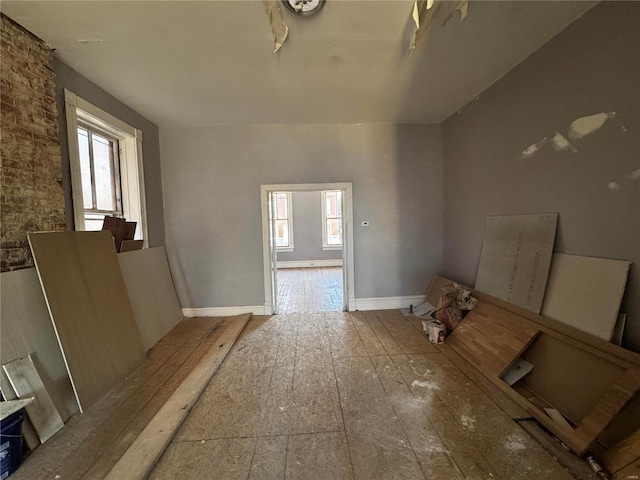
310	396
310	290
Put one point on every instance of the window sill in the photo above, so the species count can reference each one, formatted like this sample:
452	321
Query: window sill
332	247
285	249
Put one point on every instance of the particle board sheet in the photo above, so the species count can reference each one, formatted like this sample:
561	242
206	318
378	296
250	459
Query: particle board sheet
515	258
26	328
156	308
585	292
26	383
492	338
90	309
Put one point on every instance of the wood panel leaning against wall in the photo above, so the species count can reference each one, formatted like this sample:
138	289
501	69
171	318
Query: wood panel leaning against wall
31	172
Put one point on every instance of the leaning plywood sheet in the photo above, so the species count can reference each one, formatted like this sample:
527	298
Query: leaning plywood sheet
153	296
515	258
90	309
26	382
585	292
26	328
138	461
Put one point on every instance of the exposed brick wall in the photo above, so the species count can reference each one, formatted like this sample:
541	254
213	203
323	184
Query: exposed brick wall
31	173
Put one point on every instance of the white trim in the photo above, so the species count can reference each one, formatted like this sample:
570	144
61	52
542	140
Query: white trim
291	247
388	303
325	243
310	263
336	247
131	169
347	248
222	311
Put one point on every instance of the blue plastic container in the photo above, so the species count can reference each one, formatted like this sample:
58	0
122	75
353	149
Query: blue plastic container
11	443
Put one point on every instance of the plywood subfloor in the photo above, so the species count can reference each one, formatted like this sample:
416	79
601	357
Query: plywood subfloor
337	395
310	396
310	290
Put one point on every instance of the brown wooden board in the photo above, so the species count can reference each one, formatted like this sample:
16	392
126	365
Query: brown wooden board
623	454
492	338
138	461
90	309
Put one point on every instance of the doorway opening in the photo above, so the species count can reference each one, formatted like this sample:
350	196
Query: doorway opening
294	280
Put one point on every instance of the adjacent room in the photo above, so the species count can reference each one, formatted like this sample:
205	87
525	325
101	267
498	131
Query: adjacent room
320	239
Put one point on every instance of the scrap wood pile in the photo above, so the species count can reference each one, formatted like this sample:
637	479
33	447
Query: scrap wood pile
545	328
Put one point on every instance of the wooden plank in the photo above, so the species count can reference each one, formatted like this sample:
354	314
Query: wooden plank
154	301
9	407
515	258
26	382
89	305
26	328
140	458
624	453
630	472
492	338
585	292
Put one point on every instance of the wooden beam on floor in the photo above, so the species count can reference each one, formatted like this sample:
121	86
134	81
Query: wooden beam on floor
138	461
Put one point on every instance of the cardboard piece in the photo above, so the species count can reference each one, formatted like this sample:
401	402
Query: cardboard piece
90	309
618	329
586	292
26	383
117	226
155	304
515	258
131	245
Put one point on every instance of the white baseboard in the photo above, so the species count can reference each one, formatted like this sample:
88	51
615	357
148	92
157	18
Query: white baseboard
387	303
311	263
223	311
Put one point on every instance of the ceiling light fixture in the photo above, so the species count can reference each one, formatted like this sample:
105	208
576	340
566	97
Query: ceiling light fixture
304	8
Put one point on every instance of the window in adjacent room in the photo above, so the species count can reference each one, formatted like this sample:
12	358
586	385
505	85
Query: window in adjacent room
105	156
283	221
332	219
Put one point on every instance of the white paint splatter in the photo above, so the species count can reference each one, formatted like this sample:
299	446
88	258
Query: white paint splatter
583	126
428	385
514	443
635	175
613	186
532	149
560	143
468	422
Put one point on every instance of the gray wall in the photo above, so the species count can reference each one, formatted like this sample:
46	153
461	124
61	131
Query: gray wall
589	68
211	182
68	78
307	230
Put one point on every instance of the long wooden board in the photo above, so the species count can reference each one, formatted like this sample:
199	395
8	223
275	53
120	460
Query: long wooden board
26	382
492	338
138	461
153	297
90	309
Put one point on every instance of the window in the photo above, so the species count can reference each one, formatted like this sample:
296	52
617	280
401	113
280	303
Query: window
332	220
283	221
107	175
100	172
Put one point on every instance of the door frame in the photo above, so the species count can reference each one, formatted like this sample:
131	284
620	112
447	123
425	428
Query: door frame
348	283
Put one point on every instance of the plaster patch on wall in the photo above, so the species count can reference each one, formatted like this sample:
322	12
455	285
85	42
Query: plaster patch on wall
560	143
532	149
279	28
584	126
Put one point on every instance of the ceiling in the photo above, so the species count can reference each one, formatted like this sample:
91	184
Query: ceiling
212	62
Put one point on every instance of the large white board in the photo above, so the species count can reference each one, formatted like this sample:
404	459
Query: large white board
90	309
515	258
585	292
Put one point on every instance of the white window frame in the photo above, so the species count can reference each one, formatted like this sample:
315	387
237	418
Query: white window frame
291	246
129	139
325	244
